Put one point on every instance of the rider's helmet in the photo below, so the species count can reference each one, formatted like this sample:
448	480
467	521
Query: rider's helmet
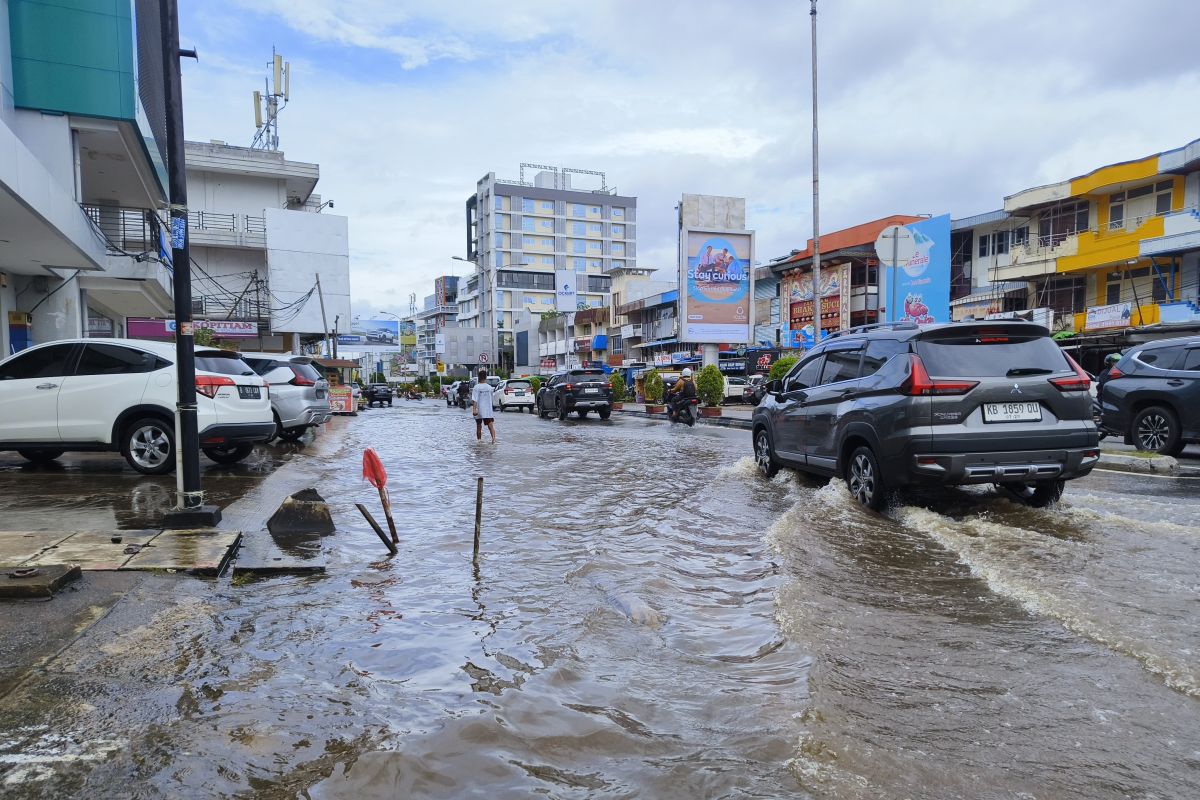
687	372
1112	358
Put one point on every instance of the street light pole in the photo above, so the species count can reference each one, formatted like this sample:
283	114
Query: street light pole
816	188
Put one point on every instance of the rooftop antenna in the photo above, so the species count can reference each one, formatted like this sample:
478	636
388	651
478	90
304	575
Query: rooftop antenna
267	103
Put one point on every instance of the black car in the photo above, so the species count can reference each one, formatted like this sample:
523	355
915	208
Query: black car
377	393
1151	397
896	405
578	390
755	390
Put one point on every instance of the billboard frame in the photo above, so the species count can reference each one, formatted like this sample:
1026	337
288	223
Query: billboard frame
685	233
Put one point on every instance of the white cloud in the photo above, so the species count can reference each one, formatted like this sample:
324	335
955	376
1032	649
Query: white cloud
942	106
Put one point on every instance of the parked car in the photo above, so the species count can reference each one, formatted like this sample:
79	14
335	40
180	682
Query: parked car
449	392
515	393
578	390
755	388
378	393
961	403
120	394
734	389
1152	396
299	393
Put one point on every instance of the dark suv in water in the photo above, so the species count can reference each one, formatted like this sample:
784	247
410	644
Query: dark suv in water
1151	396
578	390
893	406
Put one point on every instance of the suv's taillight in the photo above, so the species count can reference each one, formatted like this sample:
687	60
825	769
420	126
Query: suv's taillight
209	385
919	384
1115	373
301	379
1079	382
568	387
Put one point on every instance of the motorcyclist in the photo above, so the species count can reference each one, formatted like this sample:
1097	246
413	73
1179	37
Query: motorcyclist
684	391
464	393
1110	361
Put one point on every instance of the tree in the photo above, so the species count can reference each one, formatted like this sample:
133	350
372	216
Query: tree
781	368
618	387
536	383
202	336
378	377
710	385
653	383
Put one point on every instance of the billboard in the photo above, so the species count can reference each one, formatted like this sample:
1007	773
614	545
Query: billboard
467	346
716	300
378	334
565	291
835	299
921	286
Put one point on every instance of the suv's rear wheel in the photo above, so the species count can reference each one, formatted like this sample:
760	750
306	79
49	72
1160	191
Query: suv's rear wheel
1156	430
764	455
605	412
864	479
1036	494
149	446
292	434
40	456
581	412
562	409
229	453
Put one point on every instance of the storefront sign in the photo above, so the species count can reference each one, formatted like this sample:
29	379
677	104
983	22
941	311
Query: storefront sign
1116	315
141	328
835	301
341	400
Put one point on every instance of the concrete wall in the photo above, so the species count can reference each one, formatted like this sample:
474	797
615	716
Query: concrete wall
56	312
234	194
712	211
49	138
300	246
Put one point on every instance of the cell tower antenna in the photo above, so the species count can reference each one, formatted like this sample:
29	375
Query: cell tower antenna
269	102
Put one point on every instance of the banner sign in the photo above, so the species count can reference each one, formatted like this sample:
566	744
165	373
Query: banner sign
142	328
716	281
565	290
922	284
1116	315
341	400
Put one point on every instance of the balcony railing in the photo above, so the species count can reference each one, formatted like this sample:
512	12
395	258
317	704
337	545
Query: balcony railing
126	231
227	223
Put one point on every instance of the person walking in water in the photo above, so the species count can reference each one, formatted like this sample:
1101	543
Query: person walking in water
481	407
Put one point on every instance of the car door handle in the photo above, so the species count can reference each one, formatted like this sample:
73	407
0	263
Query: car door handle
47	386
1175	382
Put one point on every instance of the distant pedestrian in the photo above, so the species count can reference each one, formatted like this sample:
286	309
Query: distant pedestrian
481	406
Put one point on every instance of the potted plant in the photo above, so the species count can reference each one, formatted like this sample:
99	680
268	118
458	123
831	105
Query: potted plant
653	389
618	389
710	385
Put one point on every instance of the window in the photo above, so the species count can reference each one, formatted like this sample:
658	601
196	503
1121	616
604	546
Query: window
1112	294
576	210
618	213
1116	211
618	230
525	280
111	359
529	300
580	264
499	203
1191	360
527	224
44	362
548	260
967	356
499	239
983	244
593	246
595	262
546	224
547	205
1001	242
578	228
1061	221
599	283
878	352
548	243
1020	237
1162	197
222	364
546	301
528	241
840	365
618	249
594	227
595	209
804	375
1162	357
578	246
526	205
498	261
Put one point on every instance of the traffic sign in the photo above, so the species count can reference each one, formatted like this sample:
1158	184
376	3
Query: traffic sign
484	359
895	245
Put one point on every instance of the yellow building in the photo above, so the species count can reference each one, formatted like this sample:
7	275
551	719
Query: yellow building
1115	248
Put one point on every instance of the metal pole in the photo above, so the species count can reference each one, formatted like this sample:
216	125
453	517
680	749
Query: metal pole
478	511
189	497
816	188
324	324
895	257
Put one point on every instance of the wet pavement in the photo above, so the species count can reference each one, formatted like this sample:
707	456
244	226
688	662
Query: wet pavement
648	618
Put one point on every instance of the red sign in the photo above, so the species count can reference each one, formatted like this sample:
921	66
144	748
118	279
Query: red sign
831	313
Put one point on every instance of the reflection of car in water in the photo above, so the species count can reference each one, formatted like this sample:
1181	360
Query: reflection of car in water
381	335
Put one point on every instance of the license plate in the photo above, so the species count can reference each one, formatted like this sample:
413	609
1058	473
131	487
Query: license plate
250	392
1012	412
519	394
591	391
320	393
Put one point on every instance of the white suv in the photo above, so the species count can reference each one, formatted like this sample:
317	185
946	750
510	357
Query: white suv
119	394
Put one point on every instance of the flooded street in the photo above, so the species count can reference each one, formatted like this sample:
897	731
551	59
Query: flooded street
649	618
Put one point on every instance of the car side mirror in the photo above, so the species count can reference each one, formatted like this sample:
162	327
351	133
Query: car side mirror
775	388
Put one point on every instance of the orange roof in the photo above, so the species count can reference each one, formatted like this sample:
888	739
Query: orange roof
865	233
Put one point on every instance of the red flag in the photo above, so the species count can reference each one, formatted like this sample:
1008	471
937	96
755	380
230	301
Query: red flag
373	469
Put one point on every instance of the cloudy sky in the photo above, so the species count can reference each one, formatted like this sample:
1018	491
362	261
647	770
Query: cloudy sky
930	106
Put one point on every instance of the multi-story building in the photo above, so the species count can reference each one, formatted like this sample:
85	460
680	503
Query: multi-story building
82	170
979	250
520	232
1116	248
440	312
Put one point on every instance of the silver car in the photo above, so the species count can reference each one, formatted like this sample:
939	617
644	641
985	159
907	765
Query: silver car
299	393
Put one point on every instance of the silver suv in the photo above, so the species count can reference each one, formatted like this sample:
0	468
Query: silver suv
299	393
893	406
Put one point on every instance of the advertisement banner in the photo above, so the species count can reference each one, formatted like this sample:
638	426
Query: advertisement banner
1116	315
341	400
921	286
716	279
143	328
797	291
372	334
565	290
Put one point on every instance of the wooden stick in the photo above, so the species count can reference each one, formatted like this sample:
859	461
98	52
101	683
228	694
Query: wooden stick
387	513
382	536
478	512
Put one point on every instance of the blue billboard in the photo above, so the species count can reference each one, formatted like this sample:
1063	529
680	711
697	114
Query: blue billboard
921	286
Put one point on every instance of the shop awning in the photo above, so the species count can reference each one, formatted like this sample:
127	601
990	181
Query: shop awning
991	293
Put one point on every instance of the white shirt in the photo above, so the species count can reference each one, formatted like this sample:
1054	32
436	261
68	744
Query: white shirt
481	396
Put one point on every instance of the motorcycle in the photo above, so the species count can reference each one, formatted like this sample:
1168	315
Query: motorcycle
1098	418
684	412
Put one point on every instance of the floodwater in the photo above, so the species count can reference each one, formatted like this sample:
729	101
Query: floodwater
647	618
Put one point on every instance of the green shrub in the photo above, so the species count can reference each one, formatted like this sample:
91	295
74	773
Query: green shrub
618	387
781	368
710	385
536	383
653	386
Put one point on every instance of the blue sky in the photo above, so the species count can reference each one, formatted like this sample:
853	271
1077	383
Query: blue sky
934	107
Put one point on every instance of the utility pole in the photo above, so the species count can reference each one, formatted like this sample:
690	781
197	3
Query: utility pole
189	511
324	324
816	188
336	319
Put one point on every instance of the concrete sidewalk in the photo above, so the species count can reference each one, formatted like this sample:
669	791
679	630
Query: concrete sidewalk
1113	455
